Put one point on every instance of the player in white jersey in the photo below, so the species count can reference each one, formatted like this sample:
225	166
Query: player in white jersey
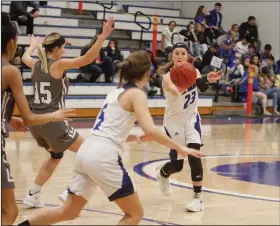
99	159
182	124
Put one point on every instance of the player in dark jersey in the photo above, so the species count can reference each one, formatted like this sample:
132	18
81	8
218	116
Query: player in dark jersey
50	87
11	93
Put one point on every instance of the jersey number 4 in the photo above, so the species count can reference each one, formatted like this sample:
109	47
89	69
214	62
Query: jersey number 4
190	98
100	118
46	96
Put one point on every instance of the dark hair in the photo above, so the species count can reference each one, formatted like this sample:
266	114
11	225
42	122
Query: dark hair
265	70
270	57
268	47
214	45
116	43
218	4
172	21
251	46
251	18
8	31
199	12
252	59
234	25
134	67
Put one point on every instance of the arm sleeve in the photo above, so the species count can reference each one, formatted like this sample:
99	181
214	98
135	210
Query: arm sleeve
202	84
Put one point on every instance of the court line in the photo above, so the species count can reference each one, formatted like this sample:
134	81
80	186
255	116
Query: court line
139	169
106	212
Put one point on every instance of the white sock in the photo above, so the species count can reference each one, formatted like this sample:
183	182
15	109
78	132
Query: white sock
35	189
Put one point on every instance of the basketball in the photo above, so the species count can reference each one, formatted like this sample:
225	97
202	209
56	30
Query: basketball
183	75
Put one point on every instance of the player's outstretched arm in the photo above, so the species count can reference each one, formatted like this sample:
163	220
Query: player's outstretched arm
140	106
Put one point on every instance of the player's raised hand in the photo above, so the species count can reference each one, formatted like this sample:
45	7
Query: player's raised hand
63	114
108	27
33	41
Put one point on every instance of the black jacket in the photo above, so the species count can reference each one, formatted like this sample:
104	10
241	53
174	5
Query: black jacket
101	53
19	8
252	31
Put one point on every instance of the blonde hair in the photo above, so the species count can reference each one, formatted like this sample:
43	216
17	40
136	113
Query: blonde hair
42	53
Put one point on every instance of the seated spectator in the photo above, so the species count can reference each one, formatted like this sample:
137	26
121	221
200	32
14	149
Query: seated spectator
234	33
227	53
269	61
266	52
207	57
237	71
243	91
242	46
267	81
255	60
167	33
100	65
250	28
114	53
155	79
18	12
215	18
251	52
200	17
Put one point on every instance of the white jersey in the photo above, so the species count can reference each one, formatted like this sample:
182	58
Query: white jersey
113	121
183	105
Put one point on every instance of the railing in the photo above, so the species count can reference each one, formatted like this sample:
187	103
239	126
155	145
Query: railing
138	13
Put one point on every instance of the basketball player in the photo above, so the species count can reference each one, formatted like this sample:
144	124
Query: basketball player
11	93
182	124
99	161
51	85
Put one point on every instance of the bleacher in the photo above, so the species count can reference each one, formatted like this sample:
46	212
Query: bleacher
63	17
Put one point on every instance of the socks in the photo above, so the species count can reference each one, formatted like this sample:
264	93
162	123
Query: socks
163	174
35	189
24	223
197	189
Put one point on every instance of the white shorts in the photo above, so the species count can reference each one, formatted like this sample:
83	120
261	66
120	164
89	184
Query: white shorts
184	130
98	164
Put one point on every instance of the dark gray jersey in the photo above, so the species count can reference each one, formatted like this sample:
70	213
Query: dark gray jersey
7	105
49	93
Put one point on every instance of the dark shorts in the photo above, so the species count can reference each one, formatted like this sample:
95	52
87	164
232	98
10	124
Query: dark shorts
7	181
56	135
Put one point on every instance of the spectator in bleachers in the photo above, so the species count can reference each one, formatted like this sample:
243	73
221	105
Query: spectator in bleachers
269	61
267	81
100	65
251	52
255	60
227	53
114	53
250	28
215	18
200	17
167	33
207	57
234	33
243	88
18	12
266	52
242	46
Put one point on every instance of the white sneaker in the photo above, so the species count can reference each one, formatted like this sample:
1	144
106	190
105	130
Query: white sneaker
267	113
196	205
63	196
164	184
33	200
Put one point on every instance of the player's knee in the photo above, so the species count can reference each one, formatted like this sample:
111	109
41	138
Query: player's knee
136	215
68	214
195	164
57	155
177	165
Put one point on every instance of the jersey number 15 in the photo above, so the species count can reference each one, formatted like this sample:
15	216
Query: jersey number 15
46	96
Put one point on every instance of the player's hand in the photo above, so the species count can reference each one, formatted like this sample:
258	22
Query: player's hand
214	76
132	138
18	124
108	27
146	138
184	151
33	41
63	114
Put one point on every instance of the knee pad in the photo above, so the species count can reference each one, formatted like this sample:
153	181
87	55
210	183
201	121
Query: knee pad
174	166
177	165
195	164
56	155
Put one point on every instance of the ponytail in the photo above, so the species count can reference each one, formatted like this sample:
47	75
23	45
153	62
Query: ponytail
43	58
